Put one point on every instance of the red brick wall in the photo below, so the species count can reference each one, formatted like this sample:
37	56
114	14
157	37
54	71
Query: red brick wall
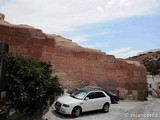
77	66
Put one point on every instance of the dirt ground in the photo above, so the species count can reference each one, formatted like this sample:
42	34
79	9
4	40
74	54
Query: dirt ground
124	110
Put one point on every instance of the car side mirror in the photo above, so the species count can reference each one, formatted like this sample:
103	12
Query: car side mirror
87	98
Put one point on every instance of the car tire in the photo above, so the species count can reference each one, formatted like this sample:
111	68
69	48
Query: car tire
106	107
76	111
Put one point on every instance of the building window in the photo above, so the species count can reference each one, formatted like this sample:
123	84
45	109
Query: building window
150	85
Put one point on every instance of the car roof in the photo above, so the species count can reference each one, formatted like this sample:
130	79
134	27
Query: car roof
92	88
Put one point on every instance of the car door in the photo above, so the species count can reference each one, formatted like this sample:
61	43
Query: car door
96	101
100	99
89	104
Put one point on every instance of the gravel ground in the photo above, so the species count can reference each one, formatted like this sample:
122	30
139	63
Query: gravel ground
124	110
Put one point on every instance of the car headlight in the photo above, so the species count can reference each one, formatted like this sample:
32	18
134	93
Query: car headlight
65	105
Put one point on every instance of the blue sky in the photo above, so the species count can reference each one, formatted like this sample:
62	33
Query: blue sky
134	34
119	27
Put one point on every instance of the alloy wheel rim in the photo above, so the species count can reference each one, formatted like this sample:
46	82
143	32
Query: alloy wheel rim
106	107
77	112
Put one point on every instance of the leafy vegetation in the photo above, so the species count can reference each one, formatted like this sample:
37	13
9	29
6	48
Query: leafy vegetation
152	66
30	83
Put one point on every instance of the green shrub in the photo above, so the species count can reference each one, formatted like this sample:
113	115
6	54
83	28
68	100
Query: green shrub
30	83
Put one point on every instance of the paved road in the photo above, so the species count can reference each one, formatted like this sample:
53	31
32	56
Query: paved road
124	110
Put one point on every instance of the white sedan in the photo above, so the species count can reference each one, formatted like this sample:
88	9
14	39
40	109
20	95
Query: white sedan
82	101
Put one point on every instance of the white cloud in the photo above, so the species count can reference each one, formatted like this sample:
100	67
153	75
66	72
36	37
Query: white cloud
95	45
55	16
124	52
100	9
79	39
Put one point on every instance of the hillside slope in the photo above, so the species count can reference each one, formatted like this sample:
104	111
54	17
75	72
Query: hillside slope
151	60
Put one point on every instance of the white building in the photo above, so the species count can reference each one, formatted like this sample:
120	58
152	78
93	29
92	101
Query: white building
154	85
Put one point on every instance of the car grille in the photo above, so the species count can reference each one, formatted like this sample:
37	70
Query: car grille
58	106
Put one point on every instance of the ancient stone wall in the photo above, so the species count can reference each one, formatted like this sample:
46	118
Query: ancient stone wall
74	65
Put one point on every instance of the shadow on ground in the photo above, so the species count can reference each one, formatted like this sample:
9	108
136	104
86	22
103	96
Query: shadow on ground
85	114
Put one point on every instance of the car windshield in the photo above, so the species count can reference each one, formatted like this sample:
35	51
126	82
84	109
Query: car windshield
80	94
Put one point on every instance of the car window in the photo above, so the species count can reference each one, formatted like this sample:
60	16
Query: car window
94	95
91	95
100	94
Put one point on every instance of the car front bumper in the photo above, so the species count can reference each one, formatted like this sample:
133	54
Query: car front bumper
63	110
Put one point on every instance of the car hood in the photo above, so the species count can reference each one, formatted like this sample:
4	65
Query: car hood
67	99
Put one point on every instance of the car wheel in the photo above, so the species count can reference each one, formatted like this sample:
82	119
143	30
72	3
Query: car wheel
106	107
76	111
